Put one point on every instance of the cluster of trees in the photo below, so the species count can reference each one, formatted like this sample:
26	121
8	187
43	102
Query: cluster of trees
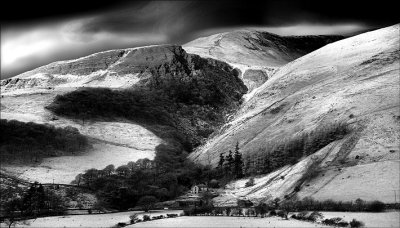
231	165
317	216
22	141
37	201
310	204
289	151
279	207
144	182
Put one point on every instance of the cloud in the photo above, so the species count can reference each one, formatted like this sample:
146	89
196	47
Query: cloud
316	29
152	17
30	45
23	50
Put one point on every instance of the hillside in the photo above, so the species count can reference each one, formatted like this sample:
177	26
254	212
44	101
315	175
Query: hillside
152	95
257	54
354	81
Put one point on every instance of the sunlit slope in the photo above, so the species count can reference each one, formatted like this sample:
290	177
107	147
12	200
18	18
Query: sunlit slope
256	53
355	81
193	84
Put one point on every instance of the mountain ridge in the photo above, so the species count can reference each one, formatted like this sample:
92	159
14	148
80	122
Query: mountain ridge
354	80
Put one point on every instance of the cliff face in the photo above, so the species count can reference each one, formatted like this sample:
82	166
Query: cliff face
354	81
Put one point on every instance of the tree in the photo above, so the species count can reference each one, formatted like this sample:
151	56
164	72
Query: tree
229	164
77	180
267	163
147	202
250	182
10	209
238	163
123	170
109	170
247	166
89	176
376	206
214	183
276	202
131	166
221	161
261	209
162	194
359	204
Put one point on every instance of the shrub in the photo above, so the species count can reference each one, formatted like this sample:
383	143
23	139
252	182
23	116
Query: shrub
187	212
147	202
355	223
172	215
315	216
146	218
342	224
302	215
272	213
203	209
282	214
121	224
250	182
133	218
376	206
332	221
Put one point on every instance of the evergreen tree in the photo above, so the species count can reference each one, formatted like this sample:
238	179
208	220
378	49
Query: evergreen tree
221	161
247	166
229	164
267	163
238	163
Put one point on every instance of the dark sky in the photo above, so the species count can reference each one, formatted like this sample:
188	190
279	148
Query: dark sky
35	33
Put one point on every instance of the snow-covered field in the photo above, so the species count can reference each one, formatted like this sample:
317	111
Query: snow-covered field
114	143
207	221
387	219
64	169
93	220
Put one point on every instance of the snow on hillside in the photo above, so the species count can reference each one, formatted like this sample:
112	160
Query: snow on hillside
25	96
256	51
353	80
113	142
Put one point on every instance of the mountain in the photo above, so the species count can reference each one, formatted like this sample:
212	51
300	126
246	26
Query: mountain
256	53
352	82
127	102
326	120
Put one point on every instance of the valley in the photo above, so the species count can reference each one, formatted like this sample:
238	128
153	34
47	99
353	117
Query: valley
264	122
